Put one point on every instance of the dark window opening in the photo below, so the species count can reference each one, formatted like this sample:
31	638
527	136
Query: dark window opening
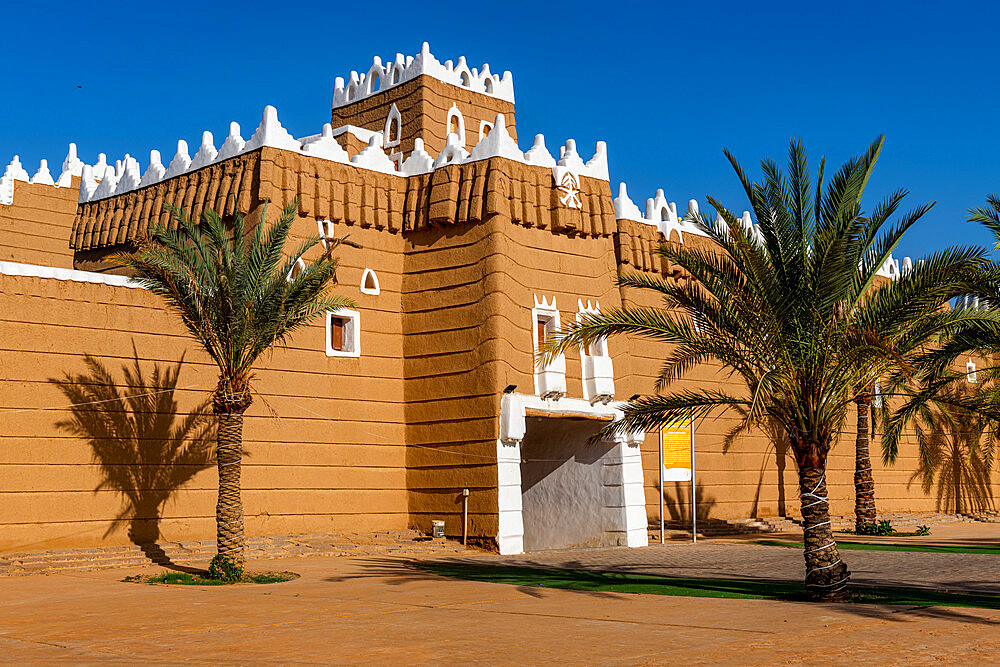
337	325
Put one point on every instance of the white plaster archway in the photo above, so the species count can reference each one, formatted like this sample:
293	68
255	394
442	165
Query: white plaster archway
618	472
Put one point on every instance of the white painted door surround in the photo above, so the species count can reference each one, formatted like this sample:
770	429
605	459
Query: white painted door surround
605	481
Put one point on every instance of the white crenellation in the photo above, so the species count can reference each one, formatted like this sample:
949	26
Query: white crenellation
233	145
102	166
155	171
107	186
400	70
539	155
6	190
659	213
71	166
324	145
892	268
88	184
271	133
419	162
374	158
569	158
498	143
180	163
130	176
206	154
42	175
453	153
16	171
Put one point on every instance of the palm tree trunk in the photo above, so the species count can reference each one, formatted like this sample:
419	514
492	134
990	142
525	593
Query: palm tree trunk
229	510
826	575
864	483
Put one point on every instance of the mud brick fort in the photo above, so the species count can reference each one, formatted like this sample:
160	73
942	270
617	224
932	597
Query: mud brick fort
466	251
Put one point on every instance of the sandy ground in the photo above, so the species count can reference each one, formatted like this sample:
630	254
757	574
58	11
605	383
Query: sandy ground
381	611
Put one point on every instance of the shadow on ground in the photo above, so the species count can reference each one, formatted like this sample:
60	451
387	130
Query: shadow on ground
890	604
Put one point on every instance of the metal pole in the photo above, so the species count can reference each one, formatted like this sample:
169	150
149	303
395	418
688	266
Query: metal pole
694	490
660	432
465	515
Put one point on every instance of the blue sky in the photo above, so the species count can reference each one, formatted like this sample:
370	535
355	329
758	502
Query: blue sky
667	85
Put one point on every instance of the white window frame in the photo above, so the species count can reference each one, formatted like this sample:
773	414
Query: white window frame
388	141
352	333
970	371
598	348
325	231
373	291
550	312
454	112
483	125
544	310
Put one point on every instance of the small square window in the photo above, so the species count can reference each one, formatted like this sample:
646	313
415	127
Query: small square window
343	333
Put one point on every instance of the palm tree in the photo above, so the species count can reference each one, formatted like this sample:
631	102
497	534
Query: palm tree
955	426
236	294
865	512
789	308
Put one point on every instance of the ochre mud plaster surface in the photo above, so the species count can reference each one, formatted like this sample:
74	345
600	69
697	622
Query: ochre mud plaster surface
35	229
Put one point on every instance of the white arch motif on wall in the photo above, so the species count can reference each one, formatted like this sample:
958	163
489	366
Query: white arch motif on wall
373	80
485	127
297	268
454	113
370	278
394	115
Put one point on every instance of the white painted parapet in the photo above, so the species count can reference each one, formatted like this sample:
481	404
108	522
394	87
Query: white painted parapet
893	268
381	77
659	213
104	180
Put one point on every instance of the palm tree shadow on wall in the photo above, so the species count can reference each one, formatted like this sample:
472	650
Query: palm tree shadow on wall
145	447
956	454
780	446
677	503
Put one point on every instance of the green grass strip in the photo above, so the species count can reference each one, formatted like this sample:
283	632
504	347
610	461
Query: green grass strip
619	582
865	546
186	579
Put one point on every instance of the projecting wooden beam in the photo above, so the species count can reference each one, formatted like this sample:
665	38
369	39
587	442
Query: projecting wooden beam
534	412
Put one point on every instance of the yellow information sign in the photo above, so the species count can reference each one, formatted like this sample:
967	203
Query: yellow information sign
677	443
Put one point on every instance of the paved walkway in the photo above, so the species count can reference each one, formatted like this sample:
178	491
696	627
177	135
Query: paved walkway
377	610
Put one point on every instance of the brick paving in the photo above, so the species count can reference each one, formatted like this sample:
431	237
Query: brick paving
939	571
403	543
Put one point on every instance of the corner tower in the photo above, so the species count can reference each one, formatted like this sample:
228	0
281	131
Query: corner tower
419	97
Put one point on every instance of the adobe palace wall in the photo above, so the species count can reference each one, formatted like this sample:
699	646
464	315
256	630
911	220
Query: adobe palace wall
449	256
